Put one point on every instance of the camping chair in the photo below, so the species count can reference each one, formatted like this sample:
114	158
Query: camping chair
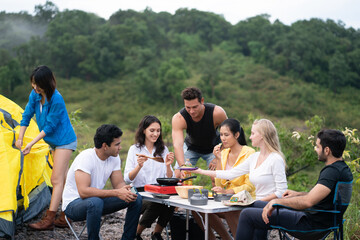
78	235
341	201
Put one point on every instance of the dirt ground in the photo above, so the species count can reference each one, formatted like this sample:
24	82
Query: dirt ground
112	229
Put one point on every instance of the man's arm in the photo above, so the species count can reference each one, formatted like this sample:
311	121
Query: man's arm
178	126
83	183
219	116
318	193
291	193
117	179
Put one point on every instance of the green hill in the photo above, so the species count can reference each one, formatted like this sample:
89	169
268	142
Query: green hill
137	63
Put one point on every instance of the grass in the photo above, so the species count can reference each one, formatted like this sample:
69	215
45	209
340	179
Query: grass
352	216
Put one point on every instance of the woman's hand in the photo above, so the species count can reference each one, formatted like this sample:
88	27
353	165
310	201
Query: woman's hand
196	170
141	159
217	151
169	159
19	143
204	172
27	149
218	190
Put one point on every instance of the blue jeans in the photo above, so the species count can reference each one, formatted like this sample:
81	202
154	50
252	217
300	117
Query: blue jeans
194	156
93	208
252	226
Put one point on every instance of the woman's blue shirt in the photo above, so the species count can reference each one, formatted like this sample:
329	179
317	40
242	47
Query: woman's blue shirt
53	120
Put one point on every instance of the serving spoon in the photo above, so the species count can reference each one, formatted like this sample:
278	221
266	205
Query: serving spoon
158	159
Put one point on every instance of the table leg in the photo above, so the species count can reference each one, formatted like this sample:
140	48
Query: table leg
187	224
206	226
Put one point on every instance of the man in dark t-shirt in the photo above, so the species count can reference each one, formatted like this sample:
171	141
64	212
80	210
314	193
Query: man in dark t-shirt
255	221
200	120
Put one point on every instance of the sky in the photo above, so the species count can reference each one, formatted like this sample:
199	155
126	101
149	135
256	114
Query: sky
287	11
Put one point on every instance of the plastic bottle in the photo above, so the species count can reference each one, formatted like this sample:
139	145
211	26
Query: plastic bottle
188	173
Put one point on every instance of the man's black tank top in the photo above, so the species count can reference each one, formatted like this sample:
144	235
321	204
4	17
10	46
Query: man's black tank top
201	136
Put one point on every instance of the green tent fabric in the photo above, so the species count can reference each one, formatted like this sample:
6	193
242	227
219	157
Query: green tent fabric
25	180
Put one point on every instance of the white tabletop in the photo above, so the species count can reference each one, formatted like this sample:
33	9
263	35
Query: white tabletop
177	201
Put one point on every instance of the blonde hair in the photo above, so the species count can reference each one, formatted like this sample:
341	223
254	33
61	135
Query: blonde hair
268	131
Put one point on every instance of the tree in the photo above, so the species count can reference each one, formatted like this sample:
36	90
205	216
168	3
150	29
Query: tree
211	69
85	52
172	74
144	86
256	28
46	12
338	71
11	75
212	28
354	64
63	35
258	51
32	54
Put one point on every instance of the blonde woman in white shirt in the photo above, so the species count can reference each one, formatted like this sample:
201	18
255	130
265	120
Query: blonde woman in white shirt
139	170
266	168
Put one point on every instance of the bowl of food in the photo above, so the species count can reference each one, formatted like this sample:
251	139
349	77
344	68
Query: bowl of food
182	191
218	197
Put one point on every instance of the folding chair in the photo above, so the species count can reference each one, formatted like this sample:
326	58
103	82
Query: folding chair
342	196
78	235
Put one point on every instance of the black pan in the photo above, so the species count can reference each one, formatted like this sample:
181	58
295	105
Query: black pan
172	181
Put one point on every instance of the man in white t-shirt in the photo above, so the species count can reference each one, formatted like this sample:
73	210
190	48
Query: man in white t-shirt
84	196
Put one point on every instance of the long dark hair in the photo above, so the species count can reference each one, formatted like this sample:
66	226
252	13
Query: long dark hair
234	126
140	136
45	79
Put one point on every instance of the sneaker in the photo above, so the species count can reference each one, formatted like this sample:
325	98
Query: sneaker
138	237
156	236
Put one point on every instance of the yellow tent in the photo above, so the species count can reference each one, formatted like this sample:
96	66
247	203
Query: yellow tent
24	181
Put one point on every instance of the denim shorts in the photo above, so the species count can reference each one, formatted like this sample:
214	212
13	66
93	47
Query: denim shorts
71	146
194	156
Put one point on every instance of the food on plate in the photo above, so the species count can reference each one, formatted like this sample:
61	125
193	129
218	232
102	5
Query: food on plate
242	198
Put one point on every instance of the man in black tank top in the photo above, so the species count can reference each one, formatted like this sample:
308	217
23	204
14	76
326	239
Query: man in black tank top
200	120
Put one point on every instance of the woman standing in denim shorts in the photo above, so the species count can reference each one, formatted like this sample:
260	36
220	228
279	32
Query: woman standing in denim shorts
55	128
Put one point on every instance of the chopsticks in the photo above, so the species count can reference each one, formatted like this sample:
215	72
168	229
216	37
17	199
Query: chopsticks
158	159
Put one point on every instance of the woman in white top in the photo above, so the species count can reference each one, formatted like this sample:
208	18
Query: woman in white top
139	170
266	168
